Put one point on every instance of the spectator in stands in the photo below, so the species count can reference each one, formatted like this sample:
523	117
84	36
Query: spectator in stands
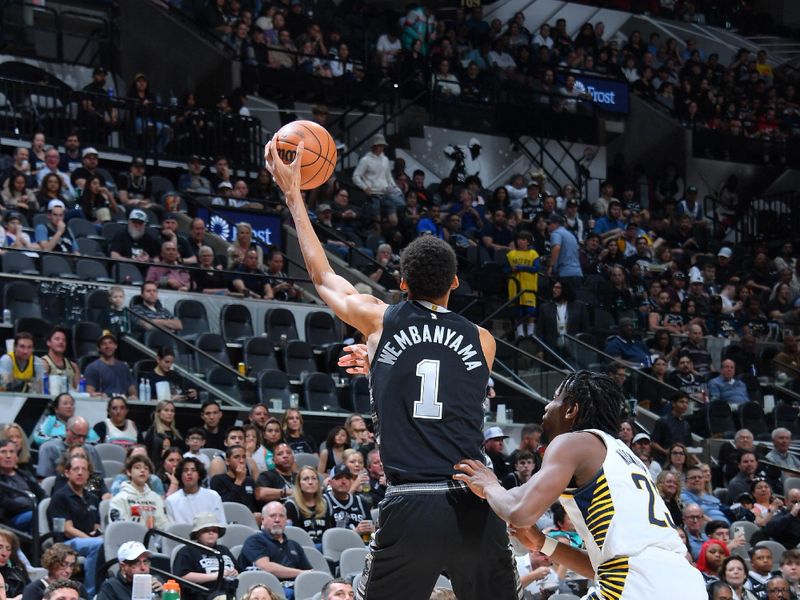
15	237
524	468
163	433
17	196
107	376
95	483
13	432
135	242
15	509
278	483
695	492
431	224
668	485
562	316
38	149
685	379
345	509
51	451
374	177
234	436
191	499
53	235
564	257
278	287
115	319
152	309
780	454
243	243
494	446
52	159
734	572
96	202
20	370
496	234
693	525
292	427
200	566
134	559
167	273
787	362
208	278
235	485
741	483
60	561
136	502
673	427
336	589
211	415
170	233
726	387
180	390
306	507
250	279
117	428
13	573
193	180
88	168
710	558
790	564
135	188
641	446
55	425
623	346
377	477
80	510
20	166
197	236
55	361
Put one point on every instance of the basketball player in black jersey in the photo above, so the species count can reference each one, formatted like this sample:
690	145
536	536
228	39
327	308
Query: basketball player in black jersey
428	374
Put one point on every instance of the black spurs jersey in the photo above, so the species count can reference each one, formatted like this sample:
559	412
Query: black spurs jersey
428	382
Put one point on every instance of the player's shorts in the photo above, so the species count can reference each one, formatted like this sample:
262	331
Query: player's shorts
655	574
429	529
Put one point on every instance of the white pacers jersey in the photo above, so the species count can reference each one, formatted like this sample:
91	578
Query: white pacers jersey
619	515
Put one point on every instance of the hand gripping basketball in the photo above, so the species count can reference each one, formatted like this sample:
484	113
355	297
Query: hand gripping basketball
319	159
287	176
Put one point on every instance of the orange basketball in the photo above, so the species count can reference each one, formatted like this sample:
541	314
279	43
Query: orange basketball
319	151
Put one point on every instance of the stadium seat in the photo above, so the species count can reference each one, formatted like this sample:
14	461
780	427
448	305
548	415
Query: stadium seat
273	384
81	228
316	559
112	228
719	419
236	512
751	415
298	534
110	452
248	579
304	459
22	299
359	394
785	415
298	358
279	322
90	247
319	392
84	337
155	339
352	561
309	583
236	534
119	532
18	263
54	265
224	380
38	328
181	530
194	317
259	355
213	344
321	329
336	540
95	305
92	270
127	273
235	323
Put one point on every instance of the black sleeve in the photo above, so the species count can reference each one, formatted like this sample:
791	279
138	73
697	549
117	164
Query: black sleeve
185	562
100	428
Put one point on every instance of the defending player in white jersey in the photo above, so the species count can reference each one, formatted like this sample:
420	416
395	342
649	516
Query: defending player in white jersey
633	551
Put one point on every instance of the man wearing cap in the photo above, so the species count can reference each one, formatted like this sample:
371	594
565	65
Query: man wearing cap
135	188
493	445
565	262
724	270
346	509
135	242
373	175
224	193
134	559
107	376
167	273
641	448
88	168
52	159
53	236
677	288
624	346
193	180
271	551
201	566
80	511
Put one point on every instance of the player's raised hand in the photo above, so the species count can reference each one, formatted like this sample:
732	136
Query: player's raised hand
355	359
286	176
476	475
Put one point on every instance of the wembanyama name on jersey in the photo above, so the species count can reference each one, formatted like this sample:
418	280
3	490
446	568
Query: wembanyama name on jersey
436	334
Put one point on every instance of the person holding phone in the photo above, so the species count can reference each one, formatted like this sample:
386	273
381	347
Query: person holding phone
134	559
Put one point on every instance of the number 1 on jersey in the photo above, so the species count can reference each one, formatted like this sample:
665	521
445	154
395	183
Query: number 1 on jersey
428	405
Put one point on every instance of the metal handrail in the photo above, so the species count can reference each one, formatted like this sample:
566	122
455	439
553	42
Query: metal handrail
176	538
547	347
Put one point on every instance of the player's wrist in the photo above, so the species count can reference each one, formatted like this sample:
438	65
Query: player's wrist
549	546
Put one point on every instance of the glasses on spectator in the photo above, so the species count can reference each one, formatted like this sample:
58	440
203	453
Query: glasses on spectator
145	562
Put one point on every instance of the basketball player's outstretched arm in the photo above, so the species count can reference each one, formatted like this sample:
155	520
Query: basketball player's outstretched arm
362	311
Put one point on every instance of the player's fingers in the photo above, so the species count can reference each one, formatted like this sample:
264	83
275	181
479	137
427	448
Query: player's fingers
464	467
300	147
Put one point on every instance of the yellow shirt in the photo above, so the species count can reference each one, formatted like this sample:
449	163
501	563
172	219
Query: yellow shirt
523	280
26	374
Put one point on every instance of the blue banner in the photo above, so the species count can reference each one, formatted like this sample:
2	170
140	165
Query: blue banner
608	94
222	222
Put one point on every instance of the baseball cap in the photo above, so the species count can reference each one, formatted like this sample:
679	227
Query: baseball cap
224	185
13	215
194	158
137	214
697	278
341	470
90	150
131	551
171	216
679	275
726	252
555	218
493	433
99	71
55	204
107	335
323	207
691	190
639	437
533	183
138	162
572	202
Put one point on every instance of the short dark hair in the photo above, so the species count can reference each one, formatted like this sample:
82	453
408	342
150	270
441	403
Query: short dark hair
233	428
559	514
428	266
601	401
327	586
57	329
524	455
209	402
712	526
23	335
139	458
231	449
196	431
52	588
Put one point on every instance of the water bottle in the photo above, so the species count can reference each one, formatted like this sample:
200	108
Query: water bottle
7	316
45	384
141	390
147	395
171	590
111	92
82	385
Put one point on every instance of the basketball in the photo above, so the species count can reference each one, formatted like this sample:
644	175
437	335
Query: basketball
319	151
